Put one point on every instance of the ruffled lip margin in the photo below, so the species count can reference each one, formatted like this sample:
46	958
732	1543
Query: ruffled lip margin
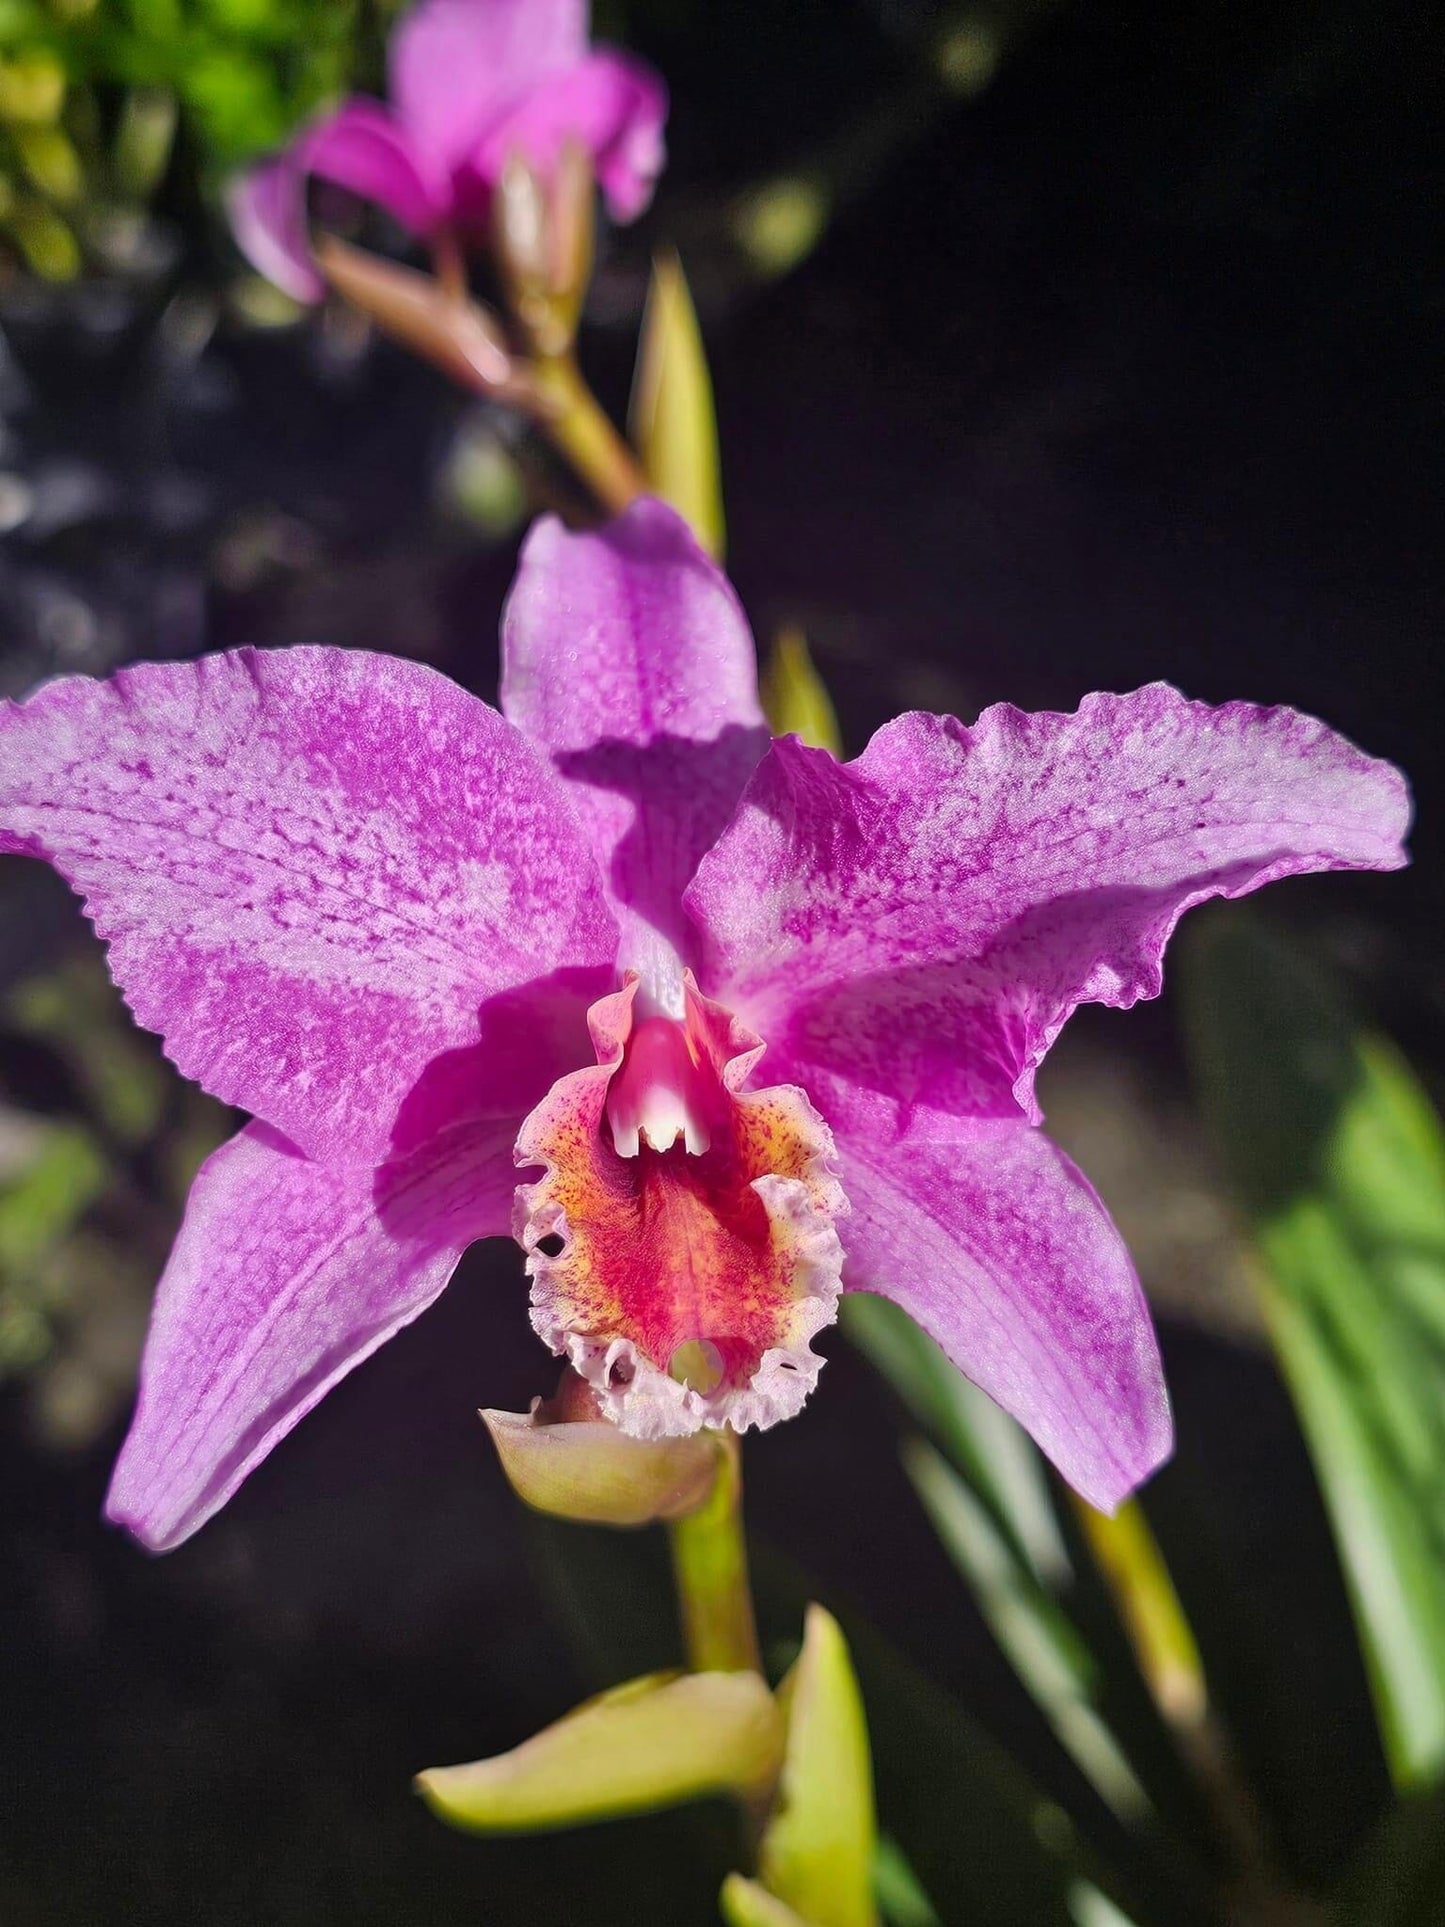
632	1391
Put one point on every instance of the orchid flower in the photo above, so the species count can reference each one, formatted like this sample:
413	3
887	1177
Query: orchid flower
472	82
758	1025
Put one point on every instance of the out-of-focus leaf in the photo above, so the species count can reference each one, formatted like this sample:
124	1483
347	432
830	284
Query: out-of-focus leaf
898	1890
1090	1908
981	1839
989	1498
48	244
983	1442
795	700
671	418
55	1174
144	137
77	1011
1129	1559
1399	1879
746	1904
817	1849
41	1204
50	161
1034	1632
32	88
1339	1162
654	1742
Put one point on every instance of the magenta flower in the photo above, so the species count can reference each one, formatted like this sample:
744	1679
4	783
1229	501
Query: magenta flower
472	82
381	916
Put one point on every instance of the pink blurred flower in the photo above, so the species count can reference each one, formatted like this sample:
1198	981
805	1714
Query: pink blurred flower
386	919
472	82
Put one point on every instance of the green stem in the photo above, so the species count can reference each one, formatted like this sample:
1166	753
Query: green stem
710	1563
578	426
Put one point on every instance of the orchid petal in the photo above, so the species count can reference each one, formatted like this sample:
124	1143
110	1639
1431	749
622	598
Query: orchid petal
364	149
455	65
626	657
285	1275
318	870
1001	1250
918	925
360	147
615	107
267	210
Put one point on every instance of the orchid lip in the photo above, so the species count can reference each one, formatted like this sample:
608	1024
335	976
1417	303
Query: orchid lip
689	1278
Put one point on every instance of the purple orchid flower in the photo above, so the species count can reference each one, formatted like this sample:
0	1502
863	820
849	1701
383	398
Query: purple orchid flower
384	918
472	82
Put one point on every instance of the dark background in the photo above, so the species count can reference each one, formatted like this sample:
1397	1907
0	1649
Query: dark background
1127	367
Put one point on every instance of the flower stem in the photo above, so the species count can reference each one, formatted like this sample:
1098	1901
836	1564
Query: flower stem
570	414
710	1563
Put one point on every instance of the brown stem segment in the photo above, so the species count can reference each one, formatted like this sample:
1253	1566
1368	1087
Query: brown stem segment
466	341
710	1563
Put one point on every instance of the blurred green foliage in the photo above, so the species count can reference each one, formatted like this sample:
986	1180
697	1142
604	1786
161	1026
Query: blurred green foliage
96	95
1338	1160
98	1146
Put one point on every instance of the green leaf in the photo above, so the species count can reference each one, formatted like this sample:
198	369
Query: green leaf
42	1203
1131	1564
672	421
1090	1908
901	1899
1339	1162
746	1904
144	136
795	698
1030	1626
77	1011
817	1850
994	1454
983	1843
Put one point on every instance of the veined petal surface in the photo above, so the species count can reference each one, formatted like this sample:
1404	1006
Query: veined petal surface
918	924
626	657
286	1274
456	65
313	867
1001	1250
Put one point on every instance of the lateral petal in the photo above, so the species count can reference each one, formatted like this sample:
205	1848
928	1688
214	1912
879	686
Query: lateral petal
919	923
360	147
1002	1251
285	1275
627	659
316	869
